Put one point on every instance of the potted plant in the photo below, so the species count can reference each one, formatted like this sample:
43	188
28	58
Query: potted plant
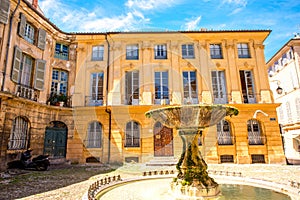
62	99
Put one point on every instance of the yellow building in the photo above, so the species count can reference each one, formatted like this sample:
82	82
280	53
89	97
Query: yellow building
107	82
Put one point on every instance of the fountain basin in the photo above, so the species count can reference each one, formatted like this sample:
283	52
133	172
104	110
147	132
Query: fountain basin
159	188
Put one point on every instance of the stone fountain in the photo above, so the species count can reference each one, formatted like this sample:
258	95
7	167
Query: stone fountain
190	120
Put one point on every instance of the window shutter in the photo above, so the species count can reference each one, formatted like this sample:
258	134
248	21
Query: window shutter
16	65
22	25
4	11
42	39
40	66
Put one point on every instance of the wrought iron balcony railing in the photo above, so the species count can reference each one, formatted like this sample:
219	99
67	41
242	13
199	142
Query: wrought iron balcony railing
92	101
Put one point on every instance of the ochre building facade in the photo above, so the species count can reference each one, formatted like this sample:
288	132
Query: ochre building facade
83	96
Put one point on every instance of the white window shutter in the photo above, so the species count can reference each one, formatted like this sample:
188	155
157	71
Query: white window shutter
22	25
42	39
39	74
15	74
4	11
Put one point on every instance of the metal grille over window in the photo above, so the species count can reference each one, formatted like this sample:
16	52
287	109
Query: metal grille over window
224	133
19	137
254	133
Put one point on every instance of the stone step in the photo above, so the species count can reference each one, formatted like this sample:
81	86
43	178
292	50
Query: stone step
162	161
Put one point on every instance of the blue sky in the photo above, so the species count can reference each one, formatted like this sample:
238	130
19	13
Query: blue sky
280	16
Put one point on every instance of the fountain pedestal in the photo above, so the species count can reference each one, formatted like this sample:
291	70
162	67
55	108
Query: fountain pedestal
192	169
192	179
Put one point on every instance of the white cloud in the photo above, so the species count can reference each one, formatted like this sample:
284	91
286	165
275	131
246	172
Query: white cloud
74	18
242	3
149	4
237	5
192	24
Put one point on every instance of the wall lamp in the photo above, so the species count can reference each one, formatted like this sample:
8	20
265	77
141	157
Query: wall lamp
279	89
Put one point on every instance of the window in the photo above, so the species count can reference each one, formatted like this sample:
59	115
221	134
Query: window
243	50
254	133
59	83
97	80
4	11
30	33
132	52
258	158
61	51
94	136
226	159
160	51
161	88
132	87
289	112
132	134
187	51
27	71
297	103
215	51
247	86
19	137
190	87
223	131
219	87
98	53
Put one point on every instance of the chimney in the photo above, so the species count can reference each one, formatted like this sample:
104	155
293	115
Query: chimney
35	3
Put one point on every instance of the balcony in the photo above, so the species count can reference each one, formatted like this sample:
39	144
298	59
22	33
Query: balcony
93	101
27	92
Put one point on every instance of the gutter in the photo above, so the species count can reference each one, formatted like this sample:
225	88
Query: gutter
107	110
8	44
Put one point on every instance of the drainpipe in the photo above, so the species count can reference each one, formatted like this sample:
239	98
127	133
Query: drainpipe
8	44
107	110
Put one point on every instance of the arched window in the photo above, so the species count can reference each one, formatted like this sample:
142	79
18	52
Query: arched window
19	137
132	134
224	133
254	133
94	136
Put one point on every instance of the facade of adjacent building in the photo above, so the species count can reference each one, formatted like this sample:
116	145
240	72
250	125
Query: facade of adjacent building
284	74
83	96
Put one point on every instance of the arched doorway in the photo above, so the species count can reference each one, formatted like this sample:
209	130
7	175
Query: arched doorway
56	139
163	140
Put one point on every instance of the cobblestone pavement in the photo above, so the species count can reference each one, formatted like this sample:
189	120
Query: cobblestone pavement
274	173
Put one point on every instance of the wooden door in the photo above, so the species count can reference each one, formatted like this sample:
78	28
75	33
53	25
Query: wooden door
163	140
55	141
